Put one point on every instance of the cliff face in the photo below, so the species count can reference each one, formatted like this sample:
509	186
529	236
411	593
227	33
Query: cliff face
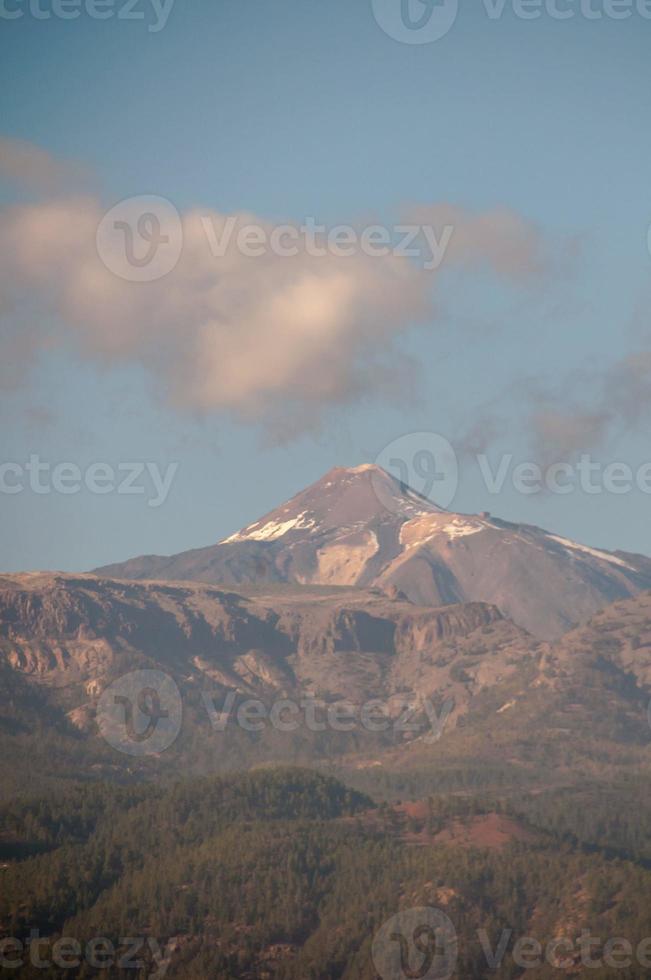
63	630
618	637
64	639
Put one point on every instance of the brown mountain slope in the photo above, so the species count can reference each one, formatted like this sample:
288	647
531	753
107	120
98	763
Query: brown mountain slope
334	643
360	527
512	699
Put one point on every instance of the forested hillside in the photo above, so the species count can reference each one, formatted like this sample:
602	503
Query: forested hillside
287	874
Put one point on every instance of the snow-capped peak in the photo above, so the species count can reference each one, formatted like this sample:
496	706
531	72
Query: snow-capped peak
345	498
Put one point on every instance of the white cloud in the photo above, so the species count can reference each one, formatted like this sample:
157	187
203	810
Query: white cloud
258	337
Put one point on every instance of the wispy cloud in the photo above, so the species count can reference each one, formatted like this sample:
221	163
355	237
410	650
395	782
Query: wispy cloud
25	165
579	412
274	340
592	408
500	240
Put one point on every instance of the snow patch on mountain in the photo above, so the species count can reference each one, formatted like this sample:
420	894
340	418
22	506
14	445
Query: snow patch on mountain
271	530
458	528
363	468
595	552
426	527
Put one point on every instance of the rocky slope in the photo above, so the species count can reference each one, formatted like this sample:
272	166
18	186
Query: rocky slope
504	697
360	527
78	632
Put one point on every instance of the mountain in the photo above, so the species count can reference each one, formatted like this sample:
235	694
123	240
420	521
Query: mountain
75	634
483	695
360	527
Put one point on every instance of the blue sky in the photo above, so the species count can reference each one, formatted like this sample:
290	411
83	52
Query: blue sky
291	109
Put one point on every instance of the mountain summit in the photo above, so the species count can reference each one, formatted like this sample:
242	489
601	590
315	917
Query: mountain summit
362	527
343	498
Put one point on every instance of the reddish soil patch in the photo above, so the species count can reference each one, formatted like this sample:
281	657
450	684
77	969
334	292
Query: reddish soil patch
408	821
417	809
492	830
